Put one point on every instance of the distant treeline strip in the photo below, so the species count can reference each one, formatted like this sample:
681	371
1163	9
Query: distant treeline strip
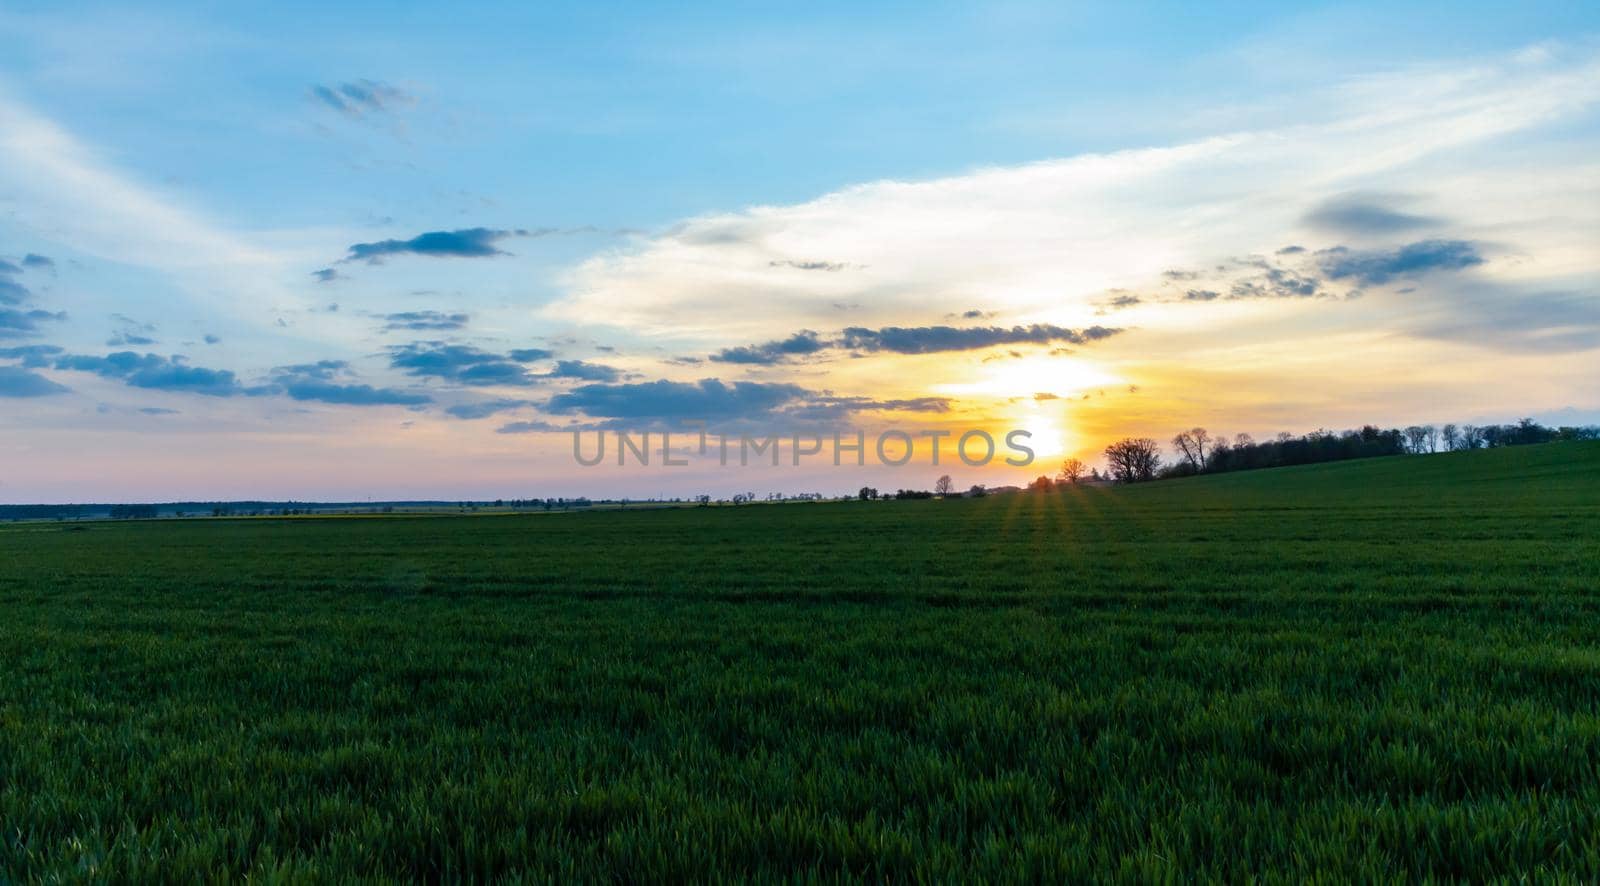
240	508
1133	460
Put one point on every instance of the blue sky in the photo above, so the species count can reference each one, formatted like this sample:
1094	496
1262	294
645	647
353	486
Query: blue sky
186	171
631	115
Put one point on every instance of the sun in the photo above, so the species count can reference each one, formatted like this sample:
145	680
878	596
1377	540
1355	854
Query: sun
1049	434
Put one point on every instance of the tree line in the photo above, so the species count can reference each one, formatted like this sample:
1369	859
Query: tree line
1138	459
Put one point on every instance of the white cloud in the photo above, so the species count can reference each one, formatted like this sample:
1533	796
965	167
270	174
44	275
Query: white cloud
63	191
1044	240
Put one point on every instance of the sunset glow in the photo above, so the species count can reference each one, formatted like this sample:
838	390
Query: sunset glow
375	274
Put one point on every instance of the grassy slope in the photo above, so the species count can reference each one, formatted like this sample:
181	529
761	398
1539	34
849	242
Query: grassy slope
1567	473
1360	669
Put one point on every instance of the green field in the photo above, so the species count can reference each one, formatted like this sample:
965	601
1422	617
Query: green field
1375	669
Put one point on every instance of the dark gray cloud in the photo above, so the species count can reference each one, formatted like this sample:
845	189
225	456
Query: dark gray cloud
1120	302
20	324
329	381
37	262
935	339
18	382
461	364
463	243
485	408
577	369
326	381
781	351
1412	260
1253	277
158	410
907	340
1273	282
156	372
327	275
424	320
360	98
1365	214
212	339
530	355
11	292
708	399
743	404
32	356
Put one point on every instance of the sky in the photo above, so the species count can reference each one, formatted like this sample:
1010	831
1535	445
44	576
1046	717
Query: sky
394	251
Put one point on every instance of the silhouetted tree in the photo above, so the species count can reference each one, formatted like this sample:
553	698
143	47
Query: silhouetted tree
1072	470
1134	459
944	486
1191	445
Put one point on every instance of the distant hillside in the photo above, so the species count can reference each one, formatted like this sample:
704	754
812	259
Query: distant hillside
1551	473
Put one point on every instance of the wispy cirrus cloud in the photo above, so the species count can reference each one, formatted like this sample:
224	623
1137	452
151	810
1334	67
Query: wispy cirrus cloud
485	408
363	97
425	321
1044	241
131	333
75	195
1366	214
